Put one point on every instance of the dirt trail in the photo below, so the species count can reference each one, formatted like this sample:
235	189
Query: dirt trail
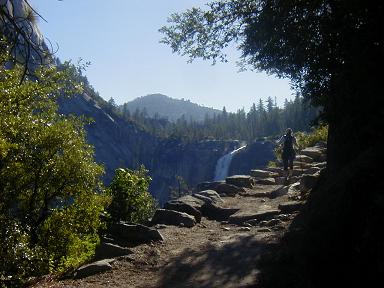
210	254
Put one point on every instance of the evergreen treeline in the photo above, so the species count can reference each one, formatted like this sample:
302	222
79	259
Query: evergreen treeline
263	119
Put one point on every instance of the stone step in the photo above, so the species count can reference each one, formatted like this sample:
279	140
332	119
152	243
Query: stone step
291	206
244	216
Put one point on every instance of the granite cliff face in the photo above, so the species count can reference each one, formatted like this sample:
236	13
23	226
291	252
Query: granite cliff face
117	143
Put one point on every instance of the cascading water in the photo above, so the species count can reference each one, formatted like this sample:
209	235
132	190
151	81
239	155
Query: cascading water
222	165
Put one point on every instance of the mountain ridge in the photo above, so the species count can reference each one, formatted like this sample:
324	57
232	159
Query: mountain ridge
162	106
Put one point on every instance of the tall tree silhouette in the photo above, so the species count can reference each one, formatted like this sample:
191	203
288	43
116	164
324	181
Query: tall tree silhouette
332	51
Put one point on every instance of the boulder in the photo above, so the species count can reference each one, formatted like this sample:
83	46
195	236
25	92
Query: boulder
300	165
321	165
264	229
261	190
312	170
321	145
313	152
241	181
215	212
263	174
291	206
277	170
180	206
170	217
192	201
322	158
280	191
308	181
208	185
273	222
266	181
228	189
280	180
134	233
294	189
213	195
108	250
206	199
93	268
304	158
294	179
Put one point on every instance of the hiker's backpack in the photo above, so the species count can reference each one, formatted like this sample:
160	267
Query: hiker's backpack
288	143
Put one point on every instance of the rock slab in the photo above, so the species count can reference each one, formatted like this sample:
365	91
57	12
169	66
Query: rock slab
109	250
246	181
93	268
170	217
180	206
135	233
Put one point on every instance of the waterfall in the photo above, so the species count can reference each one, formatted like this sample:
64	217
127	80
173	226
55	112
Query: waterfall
222	165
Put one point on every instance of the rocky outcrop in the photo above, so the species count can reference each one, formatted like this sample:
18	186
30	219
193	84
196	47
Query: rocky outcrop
308	181
316	153
108	250
211	194
266	181
171	217
134	234
225	189
180	206
93	268
216	212
207	203
289	207
246	181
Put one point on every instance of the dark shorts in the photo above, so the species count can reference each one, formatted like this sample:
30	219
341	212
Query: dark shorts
288	157
288	162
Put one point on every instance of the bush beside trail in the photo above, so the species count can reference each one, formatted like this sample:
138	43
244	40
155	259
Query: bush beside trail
51	193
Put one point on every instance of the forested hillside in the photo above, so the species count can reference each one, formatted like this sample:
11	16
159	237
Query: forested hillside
263	119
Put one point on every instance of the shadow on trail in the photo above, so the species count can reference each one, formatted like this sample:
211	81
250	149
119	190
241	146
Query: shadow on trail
231	264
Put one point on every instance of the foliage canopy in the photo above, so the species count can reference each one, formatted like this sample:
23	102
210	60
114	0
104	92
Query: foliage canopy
51	194
311	42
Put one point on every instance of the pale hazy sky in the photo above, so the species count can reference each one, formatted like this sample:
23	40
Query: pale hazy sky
121	40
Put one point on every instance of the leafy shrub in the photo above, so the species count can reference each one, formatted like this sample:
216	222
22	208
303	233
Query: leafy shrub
70	234
51	194
272	164
131	200
18	260
318	134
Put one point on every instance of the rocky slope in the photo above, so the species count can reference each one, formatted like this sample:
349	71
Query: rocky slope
117	143
214	238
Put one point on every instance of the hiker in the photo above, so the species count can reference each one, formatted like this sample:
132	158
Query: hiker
288	155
